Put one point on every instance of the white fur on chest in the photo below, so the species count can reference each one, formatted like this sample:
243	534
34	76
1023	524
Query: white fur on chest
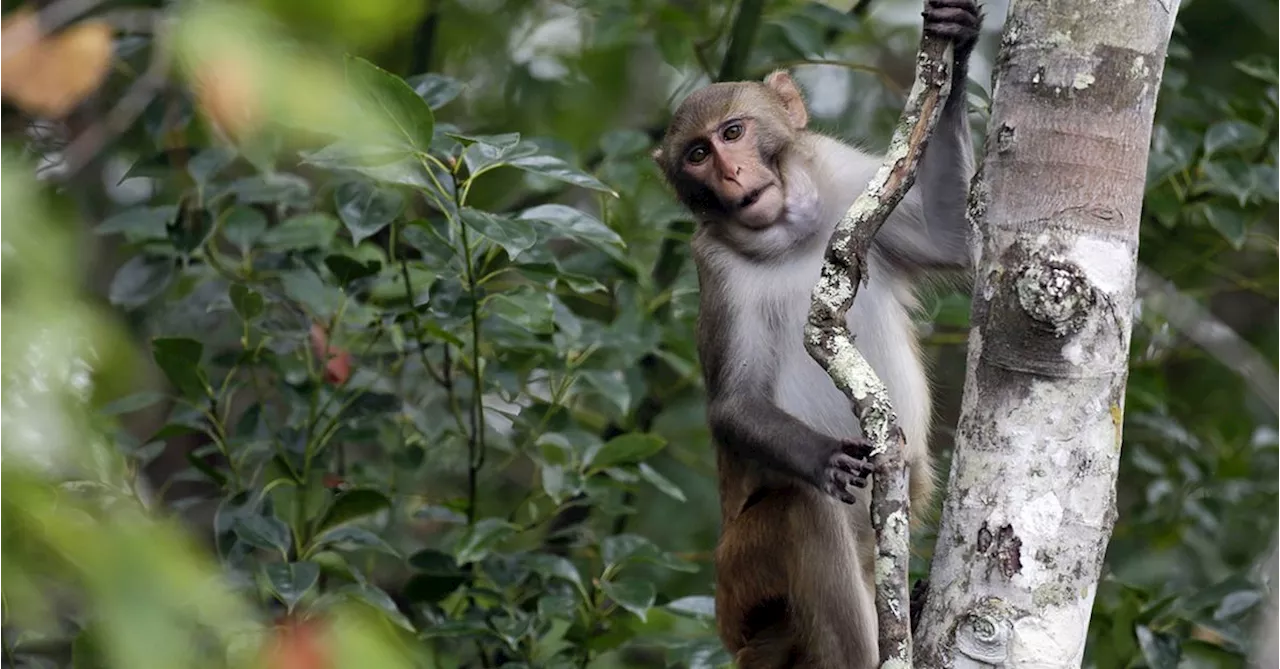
775	300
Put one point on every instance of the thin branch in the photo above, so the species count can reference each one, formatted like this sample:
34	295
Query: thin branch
83	149
1208	331
829	341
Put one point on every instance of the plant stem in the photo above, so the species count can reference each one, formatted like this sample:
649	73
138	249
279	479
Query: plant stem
476	444
745	26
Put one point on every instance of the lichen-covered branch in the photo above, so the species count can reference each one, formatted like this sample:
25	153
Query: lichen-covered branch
829	341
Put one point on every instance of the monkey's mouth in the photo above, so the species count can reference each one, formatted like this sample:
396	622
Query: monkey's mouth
753	197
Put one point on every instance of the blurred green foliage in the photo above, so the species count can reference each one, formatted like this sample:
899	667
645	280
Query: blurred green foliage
370	341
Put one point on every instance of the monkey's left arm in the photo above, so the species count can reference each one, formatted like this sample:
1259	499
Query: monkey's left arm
929	230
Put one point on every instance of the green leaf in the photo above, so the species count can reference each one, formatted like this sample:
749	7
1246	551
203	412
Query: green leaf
305	287
350	538
366	209
569	223
266	532
407	117
140	280
618	548
626	449
1159	649
559	483
698	606
632	595
555	168
208	163
207	469
513	235
475	543
300	232
243	226
391	167
524	307
1237	603
380	600
275	188
553	566
389	286
435	89
190	229
1229	222
488	151
563	607
246	301
139	223
438	576
1232	135
353	505
131	403
611	386
662	483
347	269
1266	182
290	581
623	548
179	358
1260	66
1230	177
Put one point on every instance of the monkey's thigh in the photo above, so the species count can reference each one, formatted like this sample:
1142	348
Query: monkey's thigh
788	588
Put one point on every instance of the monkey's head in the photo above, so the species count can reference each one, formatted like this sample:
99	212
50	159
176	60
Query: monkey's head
722	151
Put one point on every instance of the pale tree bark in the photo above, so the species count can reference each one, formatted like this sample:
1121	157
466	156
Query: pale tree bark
1030	502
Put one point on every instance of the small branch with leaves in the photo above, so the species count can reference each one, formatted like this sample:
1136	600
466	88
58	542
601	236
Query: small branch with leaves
830	342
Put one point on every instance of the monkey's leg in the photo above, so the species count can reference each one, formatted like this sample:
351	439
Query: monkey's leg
833	587
790	592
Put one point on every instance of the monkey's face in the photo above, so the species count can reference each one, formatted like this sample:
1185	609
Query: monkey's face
723	150
727	160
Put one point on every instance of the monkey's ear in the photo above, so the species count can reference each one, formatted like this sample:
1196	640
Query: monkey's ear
792	100
657	156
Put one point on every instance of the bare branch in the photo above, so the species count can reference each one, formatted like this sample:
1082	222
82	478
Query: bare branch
82	150
829	341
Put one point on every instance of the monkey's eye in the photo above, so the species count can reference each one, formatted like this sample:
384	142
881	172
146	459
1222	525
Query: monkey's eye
697	154
732	132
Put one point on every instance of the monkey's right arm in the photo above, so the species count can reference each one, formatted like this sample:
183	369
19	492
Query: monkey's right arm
749	425
743	417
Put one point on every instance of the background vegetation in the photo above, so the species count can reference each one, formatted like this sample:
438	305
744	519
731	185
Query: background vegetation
360	332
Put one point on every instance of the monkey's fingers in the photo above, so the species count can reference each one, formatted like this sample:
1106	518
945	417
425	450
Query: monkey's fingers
956	20
845	473
859	448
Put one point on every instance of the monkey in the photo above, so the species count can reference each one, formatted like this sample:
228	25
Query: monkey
794	582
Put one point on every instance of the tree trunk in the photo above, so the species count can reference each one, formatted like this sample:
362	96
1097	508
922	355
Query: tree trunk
1031	499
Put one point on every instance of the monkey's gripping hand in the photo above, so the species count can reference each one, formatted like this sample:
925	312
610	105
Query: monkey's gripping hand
848	468
956	20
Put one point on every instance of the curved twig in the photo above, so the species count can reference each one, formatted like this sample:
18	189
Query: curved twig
829	341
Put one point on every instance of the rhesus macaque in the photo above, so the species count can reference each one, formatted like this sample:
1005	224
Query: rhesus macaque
794	582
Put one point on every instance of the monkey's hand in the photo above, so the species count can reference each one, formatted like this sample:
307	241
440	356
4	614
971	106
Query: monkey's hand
958	21
848	468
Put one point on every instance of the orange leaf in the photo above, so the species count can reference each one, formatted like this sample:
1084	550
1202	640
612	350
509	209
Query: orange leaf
226	92
50	75
297	645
